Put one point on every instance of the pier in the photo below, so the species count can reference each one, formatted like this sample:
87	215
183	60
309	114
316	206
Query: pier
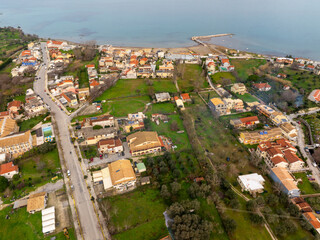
198	39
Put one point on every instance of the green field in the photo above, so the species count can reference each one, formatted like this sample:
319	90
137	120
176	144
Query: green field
35	170
191	77
247	97
137	215
244	67
134	87
303	79
314	122
30	123
122	107
23	225
305	186
220	77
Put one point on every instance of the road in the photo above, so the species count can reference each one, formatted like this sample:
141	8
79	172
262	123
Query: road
89	223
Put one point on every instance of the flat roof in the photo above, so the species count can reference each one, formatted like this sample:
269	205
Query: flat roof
49	228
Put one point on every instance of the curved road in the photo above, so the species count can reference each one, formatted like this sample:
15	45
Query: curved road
88	219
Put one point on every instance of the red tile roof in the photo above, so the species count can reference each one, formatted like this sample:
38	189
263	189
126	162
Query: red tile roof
14	103
90	66
249	119
261	85
316	95
225	60
276	160
291	157
185	96
7	167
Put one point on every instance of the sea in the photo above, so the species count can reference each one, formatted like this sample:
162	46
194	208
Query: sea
280	27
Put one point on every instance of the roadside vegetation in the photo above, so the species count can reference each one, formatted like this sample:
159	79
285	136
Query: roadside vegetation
36	168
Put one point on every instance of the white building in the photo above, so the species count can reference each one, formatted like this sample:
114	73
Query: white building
48	220
253	183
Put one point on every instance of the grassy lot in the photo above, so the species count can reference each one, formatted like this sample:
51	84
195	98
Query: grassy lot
245	228
133	87
125	88
208	95
244	67
29	226
35	171
191	77
89	151
179	139
137	215
121	107
303	79
30	123
219	77
247	97
305	186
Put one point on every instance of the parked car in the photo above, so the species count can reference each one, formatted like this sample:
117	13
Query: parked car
101	156
68	173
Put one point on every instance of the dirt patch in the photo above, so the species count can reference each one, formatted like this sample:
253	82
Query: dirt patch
59	200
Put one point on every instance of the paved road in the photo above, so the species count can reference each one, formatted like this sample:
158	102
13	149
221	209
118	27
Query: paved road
88	219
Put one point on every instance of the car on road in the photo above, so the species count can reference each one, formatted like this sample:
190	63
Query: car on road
91	159
68	173
101	156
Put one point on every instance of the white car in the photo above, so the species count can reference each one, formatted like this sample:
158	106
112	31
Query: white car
68	173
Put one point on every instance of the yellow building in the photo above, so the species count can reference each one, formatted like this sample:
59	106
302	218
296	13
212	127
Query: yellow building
7	127
16	144
144	143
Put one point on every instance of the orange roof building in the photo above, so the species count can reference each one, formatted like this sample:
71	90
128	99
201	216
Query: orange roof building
7	170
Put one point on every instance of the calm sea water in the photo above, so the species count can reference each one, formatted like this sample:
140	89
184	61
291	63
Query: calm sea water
272	26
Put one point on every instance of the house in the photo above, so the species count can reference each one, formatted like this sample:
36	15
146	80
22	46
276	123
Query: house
145	71
185	97
83	94
244	122
278	118
8	126
317	71
37	202
233	104
263	87
56	44
218	106
314	96
14	106
310	67
286	87
295	163
110	146
8	170
163	97
6	114
136	116
253	183
34	106
282	144
286	181
102	120
141	143
122	174
239	88
141	167
284	60
71	98
256	137
179	103
90	136
16	144
211	67
311	218
282	75
133	125
48	220
289	131
2	157
129	74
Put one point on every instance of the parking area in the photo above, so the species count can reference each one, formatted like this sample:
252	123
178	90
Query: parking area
111	158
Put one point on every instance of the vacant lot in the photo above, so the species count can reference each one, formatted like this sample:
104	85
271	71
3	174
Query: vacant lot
137	215
29	226
191	77
247	97
245	67
314	122
223	78
134	87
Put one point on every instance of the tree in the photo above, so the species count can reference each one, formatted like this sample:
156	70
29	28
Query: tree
256	219
229	224
164	192
4	183
175	187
